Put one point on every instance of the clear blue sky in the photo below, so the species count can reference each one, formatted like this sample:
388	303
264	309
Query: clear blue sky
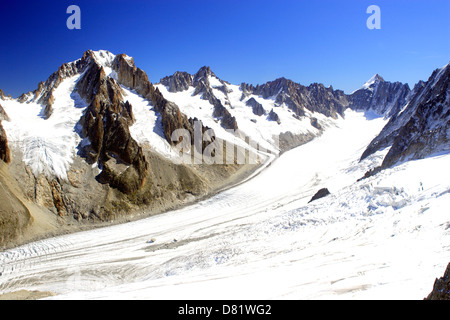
251	41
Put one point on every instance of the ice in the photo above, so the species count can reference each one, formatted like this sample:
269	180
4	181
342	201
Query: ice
385	237
48	146
264	133
147	129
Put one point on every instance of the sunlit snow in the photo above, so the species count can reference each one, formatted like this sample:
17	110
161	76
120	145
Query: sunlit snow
385	237
48	146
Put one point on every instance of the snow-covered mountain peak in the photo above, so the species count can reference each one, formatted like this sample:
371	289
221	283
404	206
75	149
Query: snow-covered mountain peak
374	80
103	57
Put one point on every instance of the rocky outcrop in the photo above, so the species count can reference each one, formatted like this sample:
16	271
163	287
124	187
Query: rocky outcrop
122	160
5	153
441	287
298	98
203	87
422	128
179	81
320	194
136	79
257	107
428	130
226	119
3	114
45	90
273	116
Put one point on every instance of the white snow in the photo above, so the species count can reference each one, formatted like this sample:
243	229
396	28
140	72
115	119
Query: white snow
104	57
147	129
214	81
265	133
48	146
370	82
194	107
386	237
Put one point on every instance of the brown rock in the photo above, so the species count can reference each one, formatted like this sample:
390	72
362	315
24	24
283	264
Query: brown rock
5	153
441	287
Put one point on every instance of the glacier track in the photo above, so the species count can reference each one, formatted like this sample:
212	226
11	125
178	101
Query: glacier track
384	237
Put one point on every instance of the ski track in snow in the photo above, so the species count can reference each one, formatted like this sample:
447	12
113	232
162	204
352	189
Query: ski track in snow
385	237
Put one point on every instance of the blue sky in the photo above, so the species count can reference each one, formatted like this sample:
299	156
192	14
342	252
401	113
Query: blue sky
251	41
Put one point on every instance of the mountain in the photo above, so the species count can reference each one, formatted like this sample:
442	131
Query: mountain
94	143
279	115
382	97
421	127
97	141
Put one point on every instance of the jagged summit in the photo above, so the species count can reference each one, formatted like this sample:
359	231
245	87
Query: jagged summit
422	127
379	96
372	81
94	140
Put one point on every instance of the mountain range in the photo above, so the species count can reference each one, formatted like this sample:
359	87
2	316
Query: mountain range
95	141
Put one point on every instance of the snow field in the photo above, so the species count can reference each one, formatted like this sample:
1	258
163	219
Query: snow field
48	146
380	238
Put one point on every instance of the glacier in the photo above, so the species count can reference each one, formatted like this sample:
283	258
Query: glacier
384	237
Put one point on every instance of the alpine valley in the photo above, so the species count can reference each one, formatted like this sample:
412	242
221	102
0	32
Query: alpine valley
347	195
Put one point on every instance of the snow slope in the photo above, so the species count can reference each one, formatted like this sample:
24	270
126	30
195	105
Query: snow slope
386	237
147	129
48	146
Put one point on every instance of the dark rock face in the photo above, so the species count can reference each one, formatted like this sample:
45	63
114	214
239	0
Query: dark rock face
44	92
203	87
226	119
320	194
441	287
106	123
179	81
5	153
136	79
423	128
315	123
257	107
273	116
3	115
383	97
298	98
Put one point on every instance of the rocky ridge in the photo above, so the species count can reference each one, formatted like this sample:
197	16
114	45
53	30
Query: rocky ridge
113	174
422	127
316	97
181	81
5	153
382	97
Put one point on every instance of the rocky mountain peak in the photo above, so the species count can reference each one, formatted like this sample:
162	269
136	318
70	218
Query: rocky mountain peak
373	81
5	154
382	97
179	81
202	74
422	127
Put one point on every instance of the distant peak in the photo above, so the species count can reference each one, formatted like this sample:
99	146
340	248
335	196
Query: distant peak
375	79
103	57
203	72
